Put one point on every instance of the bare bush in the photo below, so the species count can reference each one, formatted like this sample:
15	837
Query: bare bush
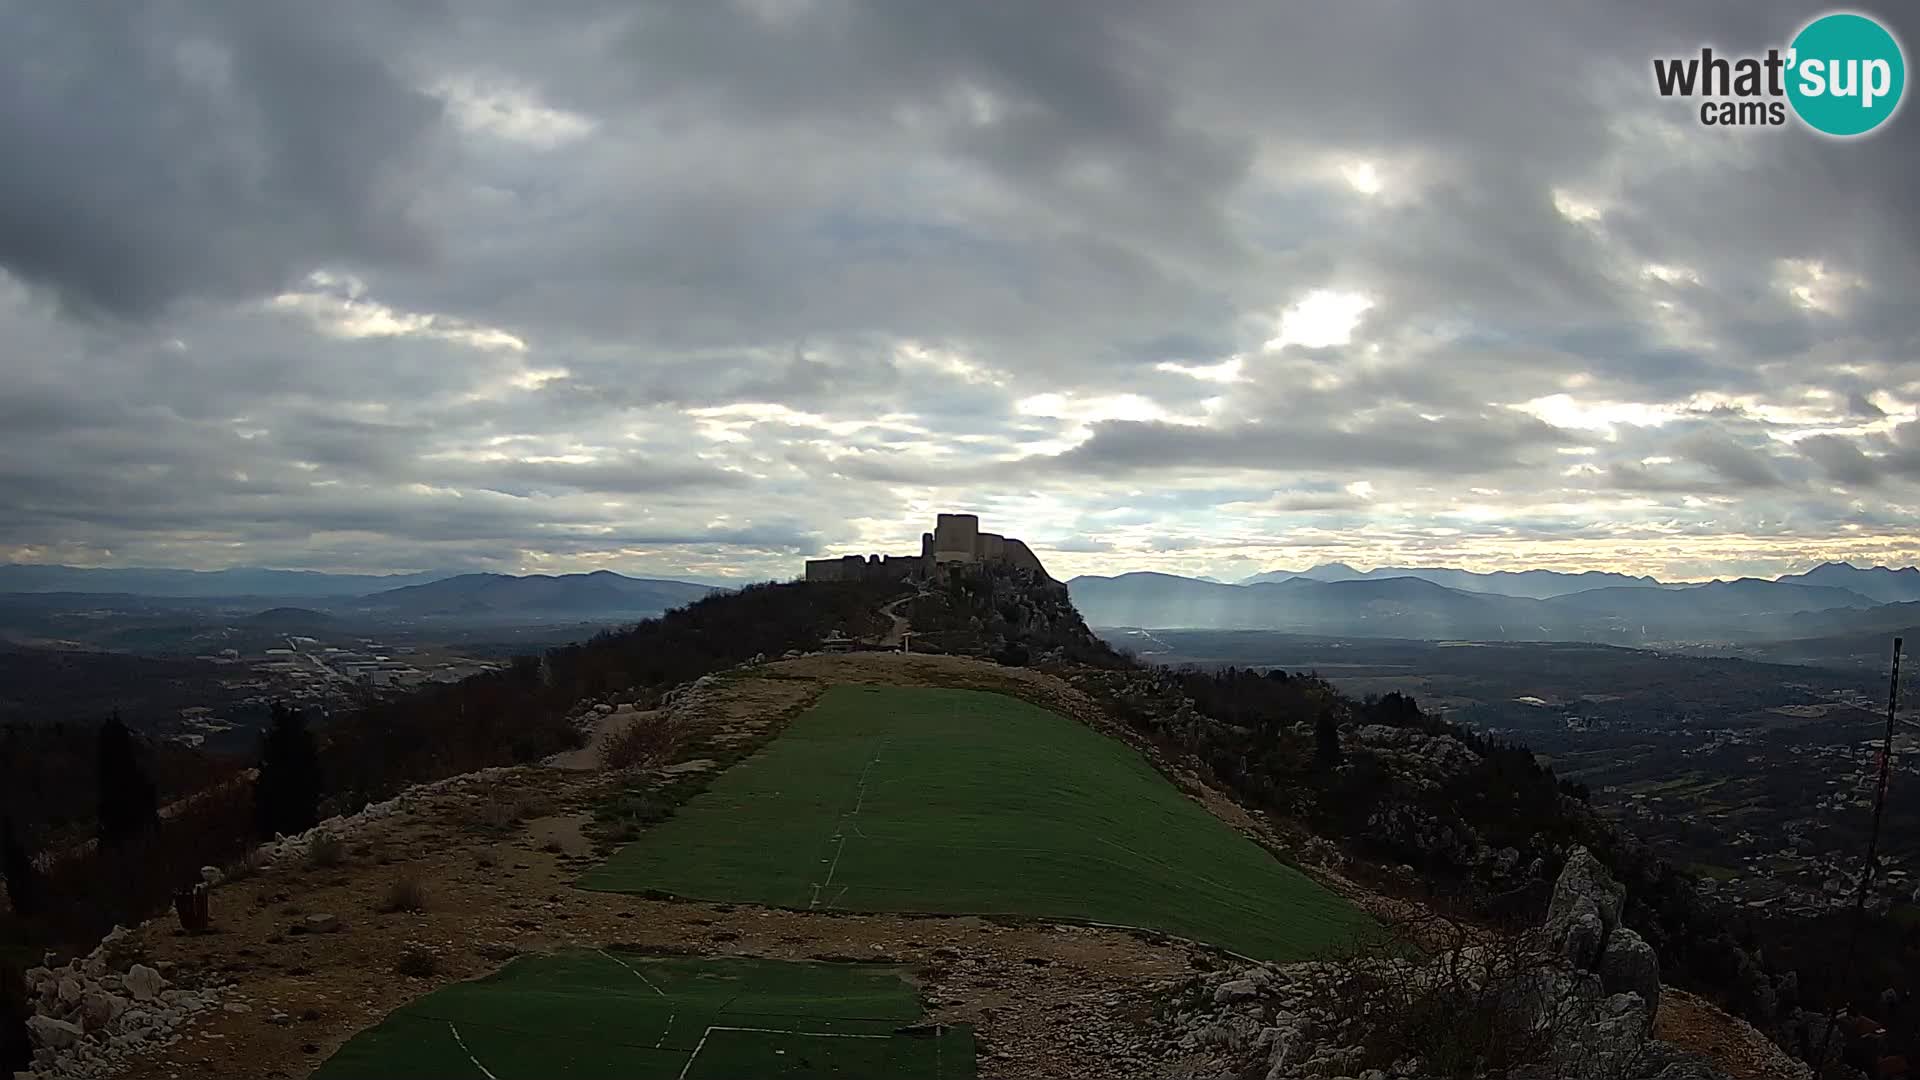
406	893
495	810
250	864
416	962
642	745
326	851
529	805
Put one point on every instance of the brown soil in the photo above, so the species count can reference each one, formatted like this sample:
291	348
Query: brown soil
1697	1025
1046	1000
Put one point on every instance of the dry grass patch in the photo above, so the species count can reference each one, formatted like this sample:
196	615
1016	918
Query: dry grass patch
407	893
641	745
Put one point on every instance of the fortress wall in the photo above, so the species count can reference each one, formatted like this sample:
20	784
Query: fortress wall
956	539
1018	554
956	534
849	568
898	567
864	568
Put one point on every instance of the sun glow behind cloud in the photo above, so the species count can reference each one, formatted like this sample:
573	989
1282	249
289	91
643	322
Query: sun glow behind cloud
1320	319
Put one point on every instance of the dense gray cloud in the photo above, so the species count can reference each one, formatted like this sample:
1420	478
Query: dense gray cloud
218	149
700	289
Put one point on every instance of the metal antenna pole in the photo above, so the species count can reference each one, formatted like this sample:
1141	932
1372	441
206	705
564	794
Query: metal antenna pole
1868	871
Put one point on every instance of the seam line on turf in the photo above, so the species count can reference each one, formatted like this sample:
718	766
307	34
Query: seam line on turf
860	800
484	1071
633	969
697	1047
672	1014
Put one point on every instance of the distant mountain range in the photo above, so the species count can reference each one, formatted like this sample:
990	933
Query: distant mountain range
1415	607
1537	584
433	592
1887	586
602	592
1877	583
242	581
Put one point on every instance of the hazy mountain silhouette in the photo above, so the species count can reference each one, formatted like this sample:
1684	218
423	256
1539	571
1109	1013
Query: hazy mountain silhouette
1416	608
1879	582
288	618
601	592
1535	584
1730	599
237	581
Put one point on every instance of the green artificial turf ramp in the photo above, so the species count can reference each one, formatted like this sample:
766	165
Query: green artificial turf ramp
605	1015
965	802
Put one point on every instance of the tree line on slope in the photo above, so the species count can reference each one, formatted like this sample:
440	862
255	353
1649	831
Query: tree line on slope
516	715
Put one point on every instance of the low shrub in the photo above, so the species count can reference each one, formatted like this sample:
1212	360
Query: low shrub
250	864
406	893
326	851
416	962
642	745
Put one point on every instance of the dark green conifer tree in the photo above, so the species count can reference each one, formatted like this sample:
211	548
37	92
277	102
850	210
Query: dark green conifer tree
128	804
286	797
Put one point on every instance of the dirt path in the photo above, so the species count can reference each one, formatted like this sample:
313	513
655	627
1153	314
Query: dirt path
898	631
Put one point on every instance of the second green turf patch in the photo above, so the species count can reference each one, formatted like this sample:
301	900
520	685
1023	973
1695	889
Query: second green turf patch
963	802
607	1015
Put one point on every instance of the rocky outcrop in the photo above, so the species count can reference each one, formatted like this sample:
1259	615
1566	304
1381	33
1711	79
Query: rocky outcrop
1574	1000
93	1013
1583	924
1426	760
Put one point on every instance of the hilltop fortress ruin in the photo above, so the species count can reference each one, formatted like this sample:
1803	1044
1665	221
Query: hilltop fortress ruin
956	539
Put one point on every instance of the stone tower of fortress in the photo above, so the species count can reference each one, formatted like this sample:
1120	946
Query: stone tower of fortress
956	538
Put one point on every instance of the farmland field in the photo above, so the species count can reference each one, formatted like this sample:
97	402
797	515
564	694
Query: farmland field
601	1015
965	802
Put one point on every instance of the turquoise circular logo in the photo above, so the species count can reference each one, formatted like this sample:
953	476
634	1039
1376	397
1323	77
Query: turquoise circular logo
1847	74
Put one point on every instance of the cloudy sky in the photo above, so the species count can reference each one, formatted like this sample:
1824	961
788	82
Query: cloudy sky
705	289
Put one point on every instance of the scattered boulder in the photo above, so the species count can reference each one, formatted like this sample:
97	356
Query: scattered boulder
1235	990
144	983
53	1034
99	1008
320	923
